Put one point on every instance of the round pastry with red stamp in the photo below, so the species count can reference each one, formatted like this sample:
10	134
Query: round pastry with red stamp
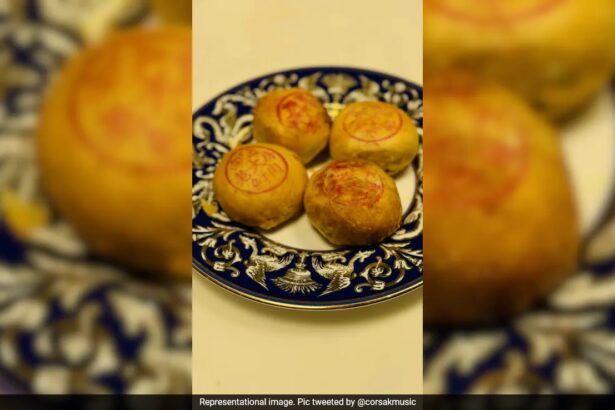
260	185
294	119
502	226
375	131
557	54
353	203
112	151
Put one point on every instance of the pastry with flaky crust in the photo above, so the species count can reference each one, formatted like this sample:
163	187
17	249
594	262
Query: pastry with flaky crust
260	185
294	119
500	220
554	53
112	147
375	131
353	202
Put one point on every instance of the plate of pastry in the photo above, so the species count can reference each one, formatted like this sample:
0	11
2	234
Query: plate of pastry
307	188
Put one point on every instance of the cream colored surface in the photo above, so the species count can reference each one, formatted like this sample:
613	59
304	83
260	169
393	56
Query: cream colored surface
240	346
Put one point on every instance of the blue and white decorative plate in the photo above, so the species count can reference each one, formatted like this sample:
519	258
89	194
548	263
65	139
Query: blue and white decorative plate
70	323
566	344
293	266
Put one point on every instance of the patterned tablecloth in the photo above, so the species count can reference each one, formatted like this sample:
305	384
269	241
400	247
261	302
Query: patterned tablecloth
70	322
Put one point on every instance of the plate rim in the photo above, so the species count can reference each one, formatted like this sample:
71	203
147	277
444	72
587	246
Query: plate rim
303	305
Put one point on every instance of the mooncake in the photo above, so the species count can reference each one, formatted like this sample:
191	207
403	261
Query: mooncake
554	53
294	119
353	202
375	131
500	227
114	152
260	185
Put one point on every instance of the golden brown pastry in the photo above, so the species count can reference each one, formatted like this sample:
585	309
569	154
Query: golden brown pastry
173	12
500	221
375	131
112	147
292	118
554	53
260	185
353	202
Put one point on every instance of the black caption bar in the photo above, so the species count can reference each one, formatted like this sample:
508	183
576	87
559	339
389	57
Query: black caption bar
308	402
180	402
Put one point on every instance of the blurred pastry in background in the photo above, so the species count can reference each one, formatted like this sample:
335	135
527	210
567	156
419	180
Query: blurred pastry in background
375	131
260	185
112	147
501	225
292	118
173	11
353	203
554	53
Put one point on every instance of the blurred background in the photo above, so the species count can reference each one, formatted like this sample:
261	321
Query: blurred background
73	321
72	318
519	290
